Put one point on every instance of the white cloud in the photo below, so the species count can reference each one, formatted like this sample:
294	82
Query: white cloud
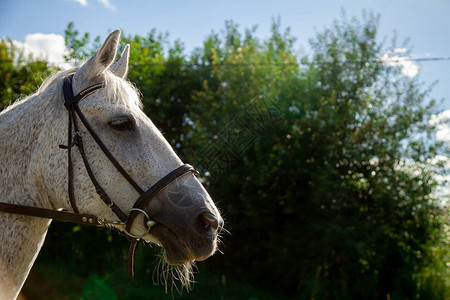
107	4
409	68
50	47
400	50
82	2
442	123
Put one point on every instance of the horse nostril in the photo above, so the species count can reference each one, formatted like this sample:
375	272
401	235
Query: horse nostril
208	222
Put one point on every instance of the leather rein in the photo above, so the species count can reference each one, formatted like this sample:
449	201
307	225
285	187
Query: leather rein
75	139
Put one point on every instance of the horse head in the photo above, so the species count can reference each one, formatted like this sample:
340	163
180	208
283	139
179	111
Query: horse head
184	219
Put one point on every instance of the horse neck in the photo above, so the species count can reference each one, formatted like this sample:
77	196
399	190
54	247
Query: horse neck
21	236
20	127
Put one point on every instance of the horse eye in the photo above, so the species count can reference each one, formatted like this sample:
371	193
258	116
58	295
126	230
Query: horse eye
122	124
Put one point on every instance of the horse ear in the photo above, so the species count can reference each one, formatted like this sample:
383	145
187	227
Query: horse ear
120	67
98	63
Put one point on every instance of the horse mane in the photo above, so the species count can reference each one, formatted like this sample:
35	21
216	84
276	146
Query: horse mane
53	79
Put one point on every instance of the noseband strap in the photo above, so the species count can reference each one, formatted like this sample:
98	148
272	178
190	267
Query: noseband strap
74	138
145	198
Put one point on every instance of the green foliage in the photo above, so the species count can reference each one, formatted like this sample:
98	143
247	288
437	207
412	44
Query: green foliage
78	46
331	195
320	164
45	282
20	75
96	288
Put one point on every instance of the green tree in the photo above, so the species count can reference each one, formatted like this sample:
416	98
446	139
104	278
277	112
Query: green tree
20	75
319	167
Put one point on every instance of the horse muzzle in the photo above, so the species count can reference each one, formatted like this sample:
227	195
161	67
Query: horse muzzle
181	218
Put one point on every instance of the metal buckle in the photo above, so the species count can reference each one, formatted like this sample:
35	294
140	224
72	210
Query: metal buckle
103	222
149	223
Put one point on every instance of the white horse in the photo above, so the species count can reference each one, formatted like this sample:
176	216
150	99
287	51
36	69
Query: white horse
34	170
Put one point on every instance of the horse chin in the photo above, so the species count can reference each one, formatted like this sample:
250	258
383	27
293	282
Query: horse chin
175	250
178	251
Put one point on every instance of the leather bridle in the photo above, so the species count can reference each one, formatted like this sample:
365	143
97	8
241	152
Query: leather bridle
75	139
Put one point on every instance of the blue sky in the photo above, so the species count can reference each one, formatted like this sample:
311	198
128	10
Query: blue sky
425	23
